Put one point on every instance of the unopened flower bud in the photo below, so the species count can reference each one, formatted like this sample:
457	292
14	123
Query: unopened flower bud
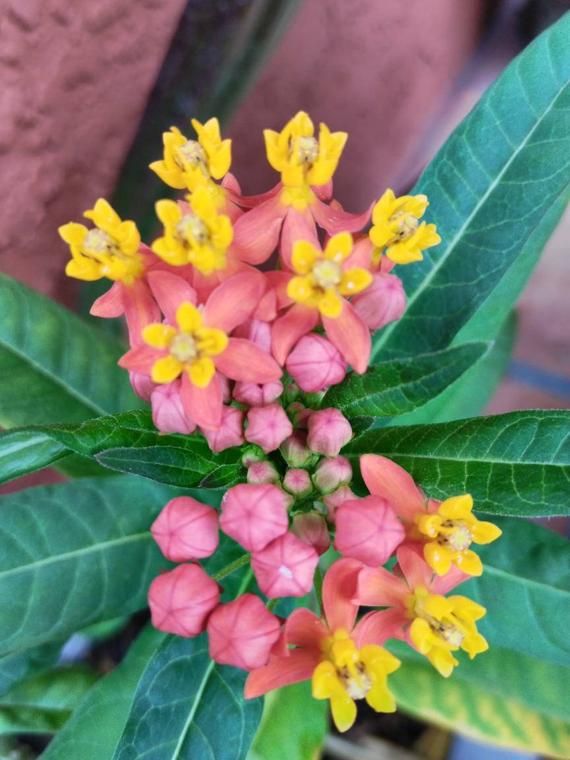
242	633
295	451
315	364
186	529
168	412
336	498
268	426
181	600
381	303
331	473
300	414
230	432
254	515
312	529
285	567
141	384
252	454
262	472
329	431
257	395
297	482
367	530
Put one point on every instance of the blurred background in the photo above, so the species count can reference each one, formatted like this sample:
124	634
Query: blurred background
88	87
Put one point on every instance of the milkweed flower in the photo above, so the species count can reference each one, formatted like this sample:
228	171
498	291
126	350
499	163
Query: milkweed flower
112	249
181	600
254	515
319	289
334	652
445	529
367	530
419	613
186	529
315	364
285	567
268	426
328	432
194	344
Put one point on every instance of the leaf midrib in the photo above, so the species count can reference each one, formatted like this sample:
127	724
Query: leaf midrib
65	556
195	704
457	237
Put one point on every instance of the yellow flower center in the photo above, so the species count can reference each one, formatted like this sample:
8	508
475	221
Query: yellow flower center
442	625
189	348
193	230
405	225
327	274
346	674
97	242
304	150
191	153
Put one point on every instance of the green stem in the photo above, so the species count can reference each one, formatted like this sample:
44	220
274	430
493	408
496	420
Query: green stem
231	568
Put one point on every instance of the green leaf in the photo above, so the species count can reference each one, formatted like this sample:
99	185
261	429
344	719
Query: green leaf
293	727
187	706
400	385
75	554
21	665
525	588
54	366
469	395
127	442
489	187
43	703
460	704
94	729
512	464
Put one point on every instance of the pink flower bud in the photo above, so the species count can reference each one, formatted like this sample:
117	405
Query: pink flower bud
254	515
368	530
186	529
262	472
312	529
295	451
285	567
336	498
381	303
251	455
181	600
268	426
230	432
242	633
141	384
331	473
329	431
167	410
297	482
257	395
315	364
299	413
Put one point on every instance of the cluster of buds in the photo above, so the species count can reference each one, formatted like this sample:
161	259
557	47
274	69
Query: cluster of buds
241	314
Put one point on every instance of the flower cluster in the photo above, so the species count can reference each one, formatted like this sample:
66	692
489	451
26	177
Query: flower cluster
240	315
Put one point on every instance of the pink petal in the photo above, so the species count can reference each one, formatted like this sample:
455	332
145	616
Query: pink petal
110	304
281	671
376	587
351	336
247	363
413	567
298	225
140	309
324	192
234	300
278	282
333	218
250	201
339	589
442	585
170	291
140	359
361	255
304	629
203	405
256	232
378	627
385	478
287	330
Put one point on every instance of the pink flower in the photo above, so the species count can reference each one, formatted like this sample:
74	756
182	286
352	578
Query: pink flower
335	499
383	302
186	529
257	395
230	432
199	348
254	515
262	472
297	482
181	600
268	426
315	364
312	528
367	530
331	473
168	411
242	633
329	431
285	567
